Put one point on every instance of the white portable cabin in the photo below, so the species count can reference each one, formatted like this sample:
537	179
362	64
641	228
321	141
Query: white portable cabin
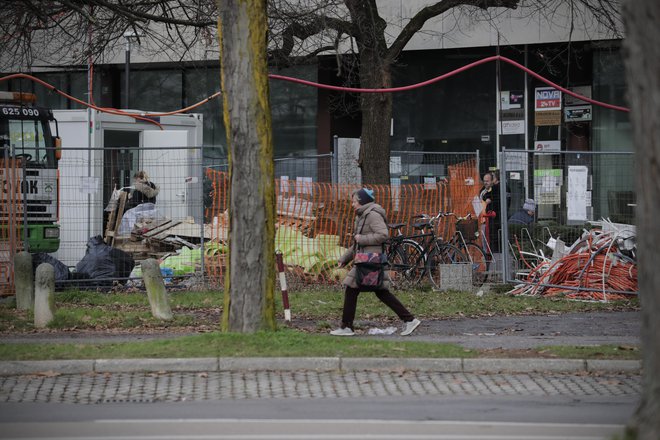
95	145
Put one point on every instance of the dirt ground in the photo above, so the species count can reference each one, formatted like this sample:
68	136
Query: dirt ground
512	333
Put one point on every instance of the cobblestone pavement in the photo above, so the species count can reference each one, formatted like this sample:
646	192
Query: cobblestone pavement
172	387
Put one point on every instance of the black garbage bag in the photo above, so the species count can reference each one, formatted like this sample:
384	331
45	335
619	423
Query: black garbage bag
101	264
124	263
97	262
61	270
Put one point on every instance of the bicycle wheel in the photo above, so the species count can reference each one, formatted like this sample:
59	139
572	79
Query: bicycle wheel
442	253
406	264
477	257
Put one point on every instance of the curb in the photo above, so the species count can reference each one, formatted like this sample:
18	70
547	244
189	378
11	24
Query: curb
448	365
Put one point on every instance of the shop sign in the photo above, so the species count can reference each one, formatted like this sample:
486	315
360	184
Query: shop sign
580	90
512	127
512	115
552	117
547	99
512	99
547	146
577	113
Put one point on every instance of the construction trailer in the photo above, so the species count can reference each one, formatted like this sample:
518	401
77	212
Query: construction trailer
102	151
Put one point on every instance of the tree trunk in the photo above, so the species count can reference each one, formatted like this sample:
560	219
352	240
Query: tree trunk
376	108
250	284
376	119
643	76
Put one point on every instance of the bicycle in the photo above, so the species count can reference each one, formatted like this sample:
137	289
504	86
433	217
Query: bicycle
467	231
409	260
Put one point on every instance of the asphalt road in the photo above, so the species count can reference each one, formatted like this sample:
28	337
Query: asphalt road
466	417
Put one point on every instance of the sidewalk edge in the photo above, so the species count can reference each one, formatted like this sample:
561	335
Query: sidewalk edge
441	365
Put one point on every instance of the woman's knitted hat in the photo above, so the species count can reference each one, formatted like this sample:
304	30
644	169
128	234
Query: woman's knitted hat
365	196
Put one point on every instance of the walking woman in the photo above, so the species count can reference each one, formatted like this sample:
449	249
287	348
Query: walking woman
370	230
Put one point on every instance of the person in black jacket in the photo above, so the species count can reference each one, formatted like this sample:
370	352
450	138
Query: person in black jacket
144	191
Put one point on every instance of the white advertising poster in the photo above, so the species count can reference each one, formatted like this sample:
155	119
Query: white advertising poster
576	195
304	185
516	160
395	165
348	153
512	127
547	186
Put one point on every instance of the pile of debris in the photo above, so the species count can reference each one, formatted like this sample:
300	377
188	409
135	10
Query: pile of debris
600	266
155	238
143	233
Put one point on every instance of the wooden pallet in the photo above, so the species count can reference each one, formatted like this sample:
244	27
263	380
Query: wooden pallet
114	221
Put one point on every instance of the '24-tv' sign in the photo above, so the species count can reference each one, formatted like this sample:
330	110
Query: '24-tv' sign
547	98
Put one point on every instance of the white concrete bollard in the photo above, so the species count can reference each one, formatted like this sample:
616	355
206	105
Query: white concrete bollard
24	281
156	292
44	295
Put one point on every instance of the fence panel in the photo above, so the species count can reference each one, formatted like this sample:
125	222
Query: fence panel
104	227
315	220
187	227
580	239
311	168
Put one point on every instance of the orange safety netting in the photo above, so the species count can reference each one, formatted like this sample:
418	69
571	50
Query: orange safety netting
315	220
11	215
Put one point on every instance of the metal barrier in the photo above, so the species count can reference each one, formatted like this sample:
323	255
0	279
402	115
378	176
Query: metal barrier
427	166
311	168
575	236
109	220
315	220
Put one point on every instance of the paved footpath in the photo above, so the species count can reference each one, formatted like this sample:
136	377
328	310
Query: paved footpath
167	380
198	386
152	380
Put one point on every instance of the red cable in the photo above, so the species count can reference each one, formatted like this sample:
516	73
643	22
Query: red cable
86	104
339	88
447	75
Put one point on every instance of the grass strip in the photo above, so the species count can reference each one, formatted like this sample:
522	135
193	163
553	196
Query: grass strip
282	343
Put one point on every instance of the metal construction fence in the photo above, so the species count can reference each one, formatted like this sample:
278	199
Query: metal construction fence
315	220
106	224
575	236
580	243
103	236
316	168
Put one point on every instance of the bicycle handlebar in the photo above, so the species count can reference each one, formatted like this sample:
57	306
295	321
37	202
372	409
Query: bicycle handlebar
432	220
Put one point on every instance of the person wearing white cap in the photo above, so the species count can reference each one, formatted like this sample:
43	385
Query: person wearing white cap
524	216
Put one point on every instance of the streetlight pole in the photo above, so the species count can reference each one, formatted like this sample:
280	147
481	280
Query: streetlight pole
127	67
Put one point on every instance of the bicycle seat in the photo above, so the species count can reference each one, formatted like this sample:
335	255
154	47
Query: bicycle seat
422	225
395	225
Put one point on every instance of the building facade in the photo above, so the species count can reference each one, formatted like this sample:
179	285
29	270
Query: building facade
489	108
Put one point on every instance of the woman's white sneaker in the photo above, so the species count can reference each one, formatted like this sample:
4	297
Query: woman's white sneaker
410	327
342	332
